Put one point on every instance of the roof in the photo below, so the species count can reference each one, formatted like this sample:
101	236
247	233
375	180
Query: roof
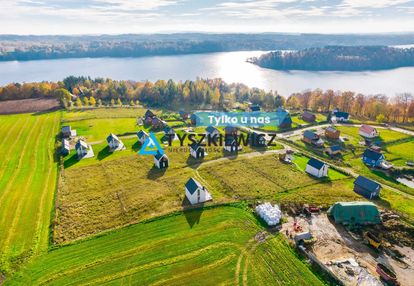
195	146
229	140
367	184
230	129
80	144
331	129
335	148
316	163
348	204
210	129
306	114
111	137
149	113
287	119
192	185
255	107
168	129
66	129
373	155
311	135
158	156
367	128
341	114
141	134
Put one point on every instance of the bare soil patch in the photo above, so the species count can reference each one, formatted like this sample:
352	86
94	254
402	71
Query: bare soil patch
28	105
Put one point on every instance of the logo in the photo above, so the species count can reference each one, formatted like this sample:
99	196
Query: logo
151	146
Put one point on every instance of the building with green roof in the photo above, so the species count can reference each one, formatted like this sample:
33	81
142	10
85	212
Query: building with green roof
355	213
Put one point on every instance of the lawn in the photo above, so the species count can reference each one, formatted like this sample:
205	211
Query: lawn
28	172
104	112
301	162
200	247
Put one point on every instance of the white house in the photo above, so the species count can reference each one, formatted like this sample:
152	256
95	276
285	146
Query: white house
142	136
368	131
114	143
197	151
196	193
84	150
161	160
317	168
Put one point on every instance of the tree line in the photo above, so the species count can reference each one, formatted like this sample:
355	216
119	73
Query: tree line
346	58
209	94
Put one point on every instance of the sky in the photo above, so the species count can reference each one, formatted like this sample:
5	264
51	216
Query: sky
217	16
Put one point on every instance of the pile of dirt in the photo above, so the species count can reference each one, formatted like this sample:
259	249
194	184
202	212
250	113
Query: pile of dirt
28	105
397	232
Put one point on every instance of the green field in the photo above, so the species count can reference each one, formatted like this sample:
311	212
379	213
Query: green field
28	172
218	246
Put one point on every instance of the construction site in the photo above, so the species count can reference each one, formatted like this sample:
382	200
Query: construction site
366	250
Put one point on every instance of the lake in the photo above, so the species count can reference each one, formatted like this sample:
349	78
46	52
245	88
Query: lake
230	66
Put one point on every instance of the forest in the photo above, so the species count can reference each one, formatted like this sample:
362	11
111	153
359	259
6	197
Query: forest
13	47
338	58
77	92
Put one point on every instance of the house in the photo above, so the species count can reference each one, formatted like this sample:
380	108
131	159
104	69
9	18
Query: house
183	114
149	114
161	160
114	143
285	121
312	138
257	139
254	108
156	123
308	117
231	130
84	150
368	131
355	213
142	136
211	132
317	168
65	147
68	132
196	193
231	145
332	133
333	150
168	131
340	116
367	188
197	151
372	158
194	119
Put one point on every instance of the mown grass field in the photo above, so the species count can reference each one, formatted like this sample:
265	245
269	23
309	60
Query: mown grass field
217	246
28	172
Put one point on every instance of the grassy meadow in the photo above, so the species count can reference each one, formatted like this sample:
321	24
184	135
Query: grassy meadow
223	245
28	172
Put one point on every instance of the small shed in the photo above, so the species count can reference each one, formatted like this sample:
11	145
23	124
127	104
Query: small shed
333	150
161	160
301	237
197	151
367	188
372	158
355	213
142	136
114	143
367	131
231	130
183	114
332	133
308	117
312	138
194	119
196	193
317	168
168	131
149	114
